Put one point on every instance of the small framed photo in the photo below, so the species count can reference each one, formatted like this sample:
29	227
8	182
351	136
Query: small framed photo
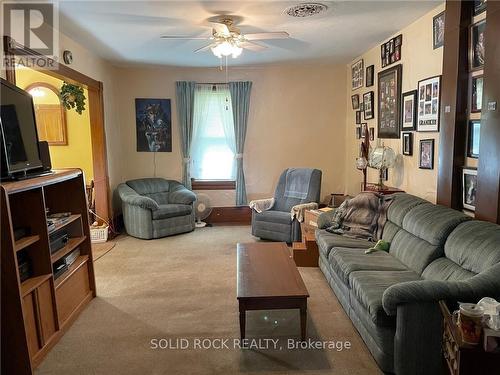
370	73
364	130
476	94
390	51
357	74
368	105
407	143
361	106
358	132
372	134
385	174
429	101
438	30
474	135
426	157
479	7
355	101
476	47
358	117
469	186
409	110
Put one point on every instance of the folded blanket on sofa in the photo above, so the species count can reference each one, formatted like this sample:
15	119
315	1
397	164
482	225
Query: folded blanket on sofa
363	216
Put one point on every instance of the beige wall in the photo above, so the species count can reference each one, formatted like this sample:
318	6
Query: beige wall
419	61
297	119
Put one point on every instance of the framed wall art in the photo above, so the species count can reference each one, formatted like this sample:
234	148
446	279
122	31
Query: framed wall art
429	98
390	51
372	134
409	110
389	102
368	105
370	75
426	154
357	74
358	117
153	119
476	99
407	143
479	7
358	132
469	187
438	30
355	101
474	135
476	47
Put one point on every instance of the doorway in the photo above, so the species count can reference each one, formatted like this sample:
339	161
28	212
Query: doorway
94	106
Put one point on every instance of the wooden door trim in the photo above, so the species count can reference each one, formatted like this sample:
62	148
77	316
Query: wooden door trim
96	112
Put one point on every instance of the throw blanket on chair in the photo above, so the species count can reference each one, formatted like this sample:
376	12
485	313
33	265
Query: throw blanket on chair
261	205
363	216
299	209
297	183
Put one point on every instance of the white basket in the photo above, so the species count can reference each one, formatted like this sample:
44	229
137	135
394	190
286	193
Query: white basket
99	235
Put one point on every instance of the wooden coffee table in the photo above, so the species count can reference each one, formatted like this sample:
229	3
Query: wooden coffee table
268	279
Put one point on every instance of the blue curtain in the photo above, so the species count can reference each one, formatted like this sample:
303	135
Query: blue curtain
185	105
240	98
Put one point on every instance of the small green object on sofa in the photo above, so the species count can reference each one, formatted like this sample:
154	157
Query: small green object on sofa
381	245
156	207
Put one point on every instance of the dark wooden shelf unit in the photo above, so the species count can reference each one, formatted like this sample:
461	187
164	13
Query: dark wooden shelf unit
36	312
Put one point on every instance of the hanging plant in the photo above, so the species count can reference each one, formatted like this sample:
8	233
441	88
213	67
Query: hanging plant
72	96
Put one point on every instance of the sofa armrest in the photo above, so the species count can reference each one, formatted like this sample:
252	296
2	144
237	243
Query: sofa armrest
325	219
260	205
130	196
485	284
298	210
181	195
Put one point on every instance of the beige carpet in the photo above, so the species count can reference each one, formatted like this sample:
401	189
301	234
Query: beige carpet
185	287
101	249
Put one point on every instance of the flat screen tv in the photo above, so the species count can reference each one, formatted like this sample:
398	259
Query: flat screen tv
19	137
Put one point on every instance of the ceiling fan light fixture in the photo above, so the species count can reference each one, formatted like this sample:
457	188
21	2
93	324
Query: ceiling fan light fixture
226	48
305	10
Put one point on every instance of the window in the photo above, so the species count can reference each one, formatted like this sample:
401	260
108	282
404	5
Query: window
213	144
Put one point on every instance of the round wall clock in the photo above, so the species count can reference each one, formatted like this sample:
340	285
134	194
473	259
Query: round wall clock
67	57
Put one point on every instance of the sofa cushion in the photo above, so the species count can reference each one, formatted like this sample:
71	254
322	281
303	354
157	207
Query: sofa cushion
344	261
326	241
171	210
368	288
445	269
433	223
481	237
402	204
144	186
279	217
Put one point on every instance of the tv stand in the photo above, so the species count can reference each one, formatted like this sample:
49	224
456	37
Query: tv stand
38	309
26	175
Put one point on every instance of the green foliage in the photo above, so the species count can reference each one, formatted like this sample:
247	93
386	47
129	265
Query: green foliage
72	96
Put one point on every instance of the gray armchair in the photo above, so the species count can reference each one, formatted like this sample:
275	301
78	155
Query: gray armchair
155	207
296	186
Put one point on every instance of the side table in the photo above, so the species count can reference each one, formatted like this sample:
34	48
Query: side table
305	253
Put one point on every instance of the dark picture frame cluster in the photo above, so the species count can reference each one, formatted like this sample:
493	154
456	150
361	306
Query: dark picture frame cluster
390	51
389	102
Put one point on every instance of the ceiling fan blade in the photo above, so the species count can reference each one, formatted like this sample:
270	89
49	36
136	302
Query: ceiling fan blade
185	37
252	46
269	35
203	49
221	29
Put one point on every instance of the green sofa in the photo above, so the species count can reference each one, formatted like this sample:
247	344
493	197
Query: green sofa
436	253
155	207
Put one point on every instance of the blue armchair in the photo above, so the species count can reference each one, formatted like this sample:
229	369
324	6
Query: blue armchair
155	207
296	186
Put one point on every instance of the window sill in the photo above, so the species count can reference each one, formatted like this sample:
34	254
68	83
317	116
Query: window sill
213	184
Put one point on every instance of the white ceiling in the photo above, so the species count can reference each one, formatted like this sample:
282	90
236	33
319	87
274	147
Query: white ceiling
128	32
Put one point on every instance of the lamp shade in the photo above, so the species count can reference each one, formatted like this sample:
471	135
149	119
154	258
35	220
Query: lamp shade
382	157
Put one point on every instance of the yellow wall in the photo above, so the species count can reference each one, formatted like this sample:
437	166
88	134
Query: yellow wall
78	152
419	61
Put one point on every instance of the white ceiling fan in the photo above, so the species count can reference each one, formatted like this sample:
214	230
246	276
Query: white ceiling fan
227	39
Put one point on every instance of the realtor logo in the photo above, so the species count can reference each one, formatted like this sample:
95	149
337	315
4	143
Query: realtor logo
32	25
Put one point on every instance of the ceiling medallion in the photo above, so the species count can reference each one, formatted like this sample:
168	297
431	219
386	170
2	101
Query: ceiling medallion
305	9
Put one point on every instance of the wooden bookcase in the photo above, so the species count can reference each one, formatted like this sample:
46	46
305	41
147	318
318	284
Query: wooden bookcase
37	311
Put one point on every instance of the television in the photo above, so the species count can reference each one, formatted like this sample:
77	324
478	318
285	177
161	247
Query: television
19	137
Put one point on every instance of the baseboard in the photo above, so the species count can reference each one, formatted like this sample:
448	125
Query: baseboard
234	215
